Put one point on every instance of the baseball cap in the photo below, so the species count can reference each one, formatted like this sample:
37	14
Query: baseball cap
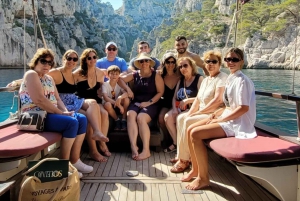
111	43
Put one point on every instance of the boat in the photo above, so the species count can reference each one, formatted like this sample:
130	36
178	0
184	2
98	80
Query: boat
230	179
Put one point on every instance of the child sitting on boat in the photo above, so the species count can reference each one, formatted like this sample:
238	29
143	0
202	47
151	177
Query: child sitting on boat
115	98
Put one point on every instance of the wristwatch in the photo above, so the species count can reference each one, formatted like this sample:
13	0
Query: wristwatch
151	101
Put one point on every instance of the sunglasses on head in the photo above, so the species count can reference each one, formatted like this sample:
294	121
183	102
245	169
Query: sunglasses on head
234	60
44	62
211	61
111	49
93	57
183	66
170	62
72	58
144	60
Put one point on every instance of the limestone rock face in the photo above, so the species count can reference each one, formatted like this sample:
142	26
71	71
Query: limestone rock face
187	5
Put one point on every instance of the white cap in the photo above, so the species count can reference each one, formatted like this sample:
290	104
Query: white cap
111	43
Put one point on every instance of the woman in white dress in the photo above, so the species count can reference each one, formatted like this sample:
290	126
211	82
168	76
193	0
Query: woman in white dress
209	99
237	119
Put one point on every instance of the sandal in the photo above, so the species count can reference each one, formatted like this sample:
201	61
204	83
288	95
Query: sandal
180	166
169	150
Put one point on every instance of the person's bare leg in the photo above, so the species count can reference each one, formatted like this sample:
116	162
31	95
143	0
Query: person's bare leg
104	128
132	129
198	134
125	103
109	108
194	171
143	119
76	148
92	111
65	147
93	151
170	124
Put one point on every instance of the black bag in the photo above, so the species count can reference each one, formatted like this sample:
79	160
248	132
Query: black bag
32	121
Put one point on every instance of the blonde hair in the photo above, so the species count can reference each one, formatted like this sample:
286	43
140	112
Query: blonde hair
217	54
191	63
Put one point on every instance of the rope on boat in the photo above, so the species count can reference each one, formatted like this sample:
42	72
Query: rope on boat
24	38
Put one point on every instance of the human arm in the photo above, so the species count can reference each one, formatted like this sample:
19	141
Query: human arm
15	83
105	91
120	98
159	84
123	67
123	85
199	62
214	103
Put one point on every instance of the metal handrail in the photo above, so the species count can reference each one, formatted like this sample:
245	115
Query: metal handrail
290	97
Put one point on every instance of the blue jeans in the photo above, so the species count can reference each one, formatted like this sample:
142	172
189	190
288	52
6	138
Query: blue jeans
70	127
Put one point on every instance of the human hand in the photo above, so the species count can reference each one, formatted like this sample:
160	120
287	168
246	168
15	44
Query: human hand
130	93
182	105
68	113
118	102
144	104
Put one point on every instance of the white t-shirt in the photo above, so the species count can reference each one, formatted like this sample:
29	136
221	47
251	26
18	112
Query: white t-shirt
208	88
107	89
241	91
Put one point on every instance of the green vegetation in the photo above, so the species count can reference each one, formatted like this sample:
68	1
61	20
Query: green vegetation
266	17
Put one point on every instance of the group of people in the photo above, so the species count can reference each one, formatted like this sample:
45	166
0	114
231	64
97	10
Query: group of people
188	107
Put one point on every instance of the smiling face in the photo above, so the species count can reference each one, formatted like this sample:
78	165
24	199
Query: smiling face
71	60
91	59
143	48
185	68
212	64
181	46
233	62
170	64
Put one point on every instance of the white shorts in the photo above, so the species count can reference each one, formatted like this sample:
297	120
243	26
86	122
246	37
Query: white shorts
228	125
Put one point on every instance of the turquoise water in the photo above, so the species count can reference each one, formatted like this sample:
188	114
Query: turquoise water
277	113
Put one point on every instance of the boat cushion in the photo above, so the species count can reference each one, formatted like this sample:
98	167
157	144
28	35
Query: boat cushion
15	143
263	148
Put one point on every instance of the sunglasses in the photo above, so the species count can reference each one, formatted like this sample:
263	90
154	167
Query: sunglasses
183	66
234	60
111	49
44	62
170	62
211	61
72	58
93	57
144	60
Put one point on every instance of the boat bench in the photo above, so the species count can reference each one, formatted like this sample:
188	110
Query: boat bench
269	160
17	148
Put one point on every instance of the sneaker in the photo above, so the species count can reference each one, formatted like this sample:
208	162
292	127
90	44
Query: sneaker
124	125
118	125
83	168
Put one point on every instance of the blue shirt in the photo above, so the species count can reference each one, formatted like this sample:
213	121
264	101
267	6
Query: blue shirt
103	63
157	63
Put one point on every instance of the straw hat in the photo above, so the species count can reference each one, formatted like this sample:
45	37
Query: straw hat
143	56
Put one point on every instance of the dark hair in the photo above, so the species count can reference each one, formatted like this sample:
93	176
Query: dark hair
178	38
83	64
41	53
163	64
143	42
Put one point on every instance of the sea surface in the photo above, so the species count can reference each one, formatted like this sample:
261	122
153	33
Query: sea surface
280	114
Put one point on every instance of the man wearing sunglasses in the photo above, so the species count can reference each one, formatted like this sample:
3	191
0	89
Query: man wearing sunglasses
111	50
181	46
143	46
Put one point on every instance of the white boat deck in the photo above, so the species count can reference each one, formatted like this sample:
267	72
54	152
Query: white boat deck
155	182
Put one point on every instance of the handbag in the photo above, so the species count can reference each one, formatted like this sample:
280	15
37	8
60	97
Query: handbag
65	189
32	120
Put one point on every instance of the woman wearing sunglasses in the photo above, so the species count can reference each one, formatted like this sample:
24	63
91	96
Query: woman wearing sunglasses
148	88
208	100
65	82
237	119
185	93
38	92
170	76
89	80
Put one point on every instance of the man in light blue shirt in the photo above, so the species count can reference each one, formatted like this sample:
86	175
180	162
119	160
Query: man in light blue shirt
143	46
111	50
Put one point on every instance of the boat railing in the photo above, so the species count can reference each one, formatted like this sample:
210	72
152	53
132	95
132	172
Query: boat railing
290	97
